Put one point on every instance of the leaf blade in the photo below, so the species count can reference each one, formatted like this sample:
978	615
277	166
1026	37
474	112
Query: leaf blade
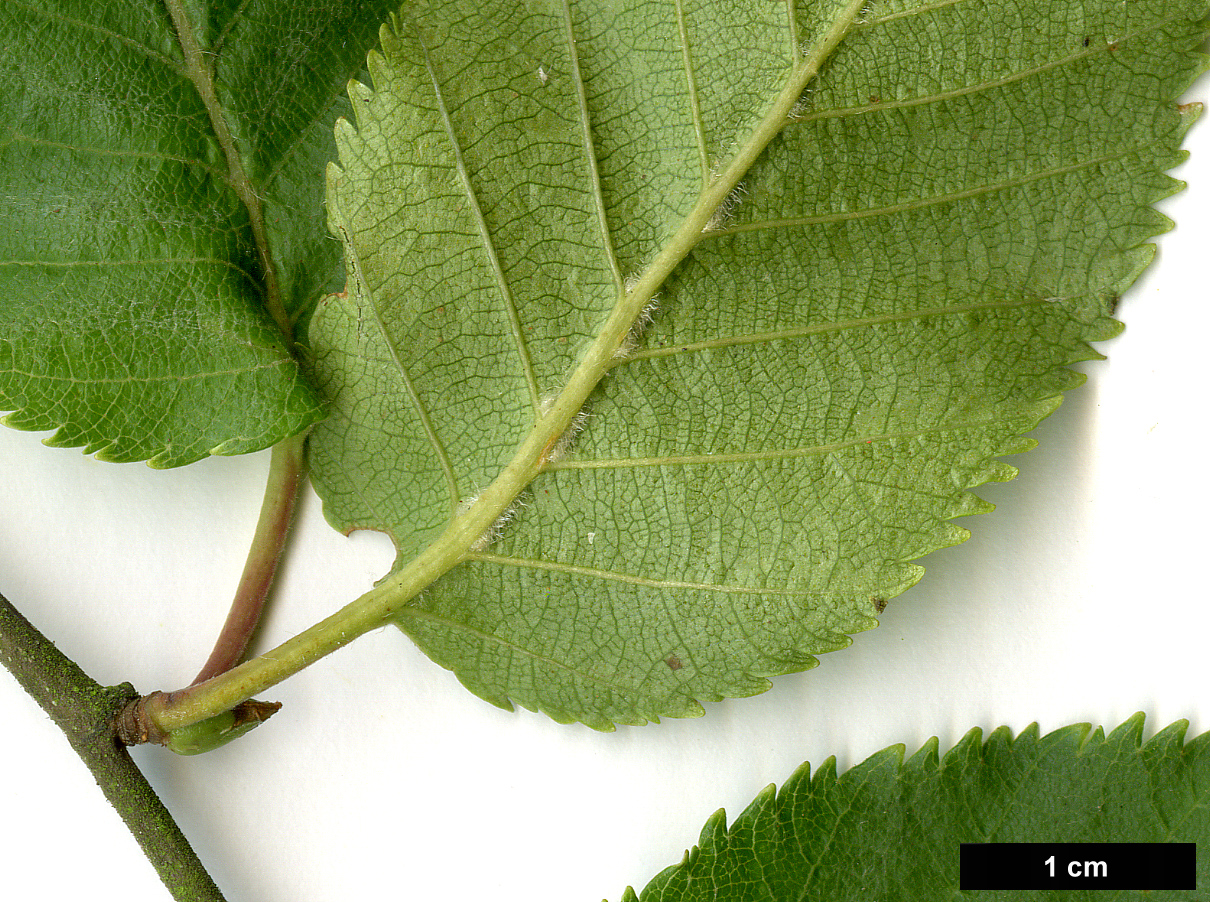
832	369
890	828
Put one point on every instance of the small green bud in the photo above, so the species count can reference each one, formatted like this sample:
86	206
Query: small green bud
216	731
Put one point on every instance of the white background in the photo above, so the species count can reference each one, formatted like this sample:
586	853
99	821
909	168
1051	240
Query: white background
1082	598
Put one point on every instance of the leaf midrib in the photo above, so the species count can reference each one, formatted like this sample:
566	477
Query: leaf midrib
201	74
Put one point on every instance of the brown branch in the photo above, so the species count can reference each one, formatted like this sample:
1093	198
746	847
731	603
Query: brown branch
85	711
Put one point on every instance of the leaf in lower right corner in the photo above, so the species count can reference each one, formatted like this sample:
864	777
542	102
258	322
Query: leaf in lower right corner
892	830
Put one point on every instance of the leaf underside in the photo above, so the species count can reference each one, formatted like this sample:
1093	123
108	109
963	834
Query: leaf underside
132	290
892	830
884	307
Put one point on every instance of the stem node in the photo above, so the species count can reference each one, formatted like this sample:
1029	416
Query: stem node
136	724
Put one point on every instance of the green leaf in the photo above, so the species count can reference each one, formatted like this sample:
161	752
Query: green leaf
859	297
892	830
150	229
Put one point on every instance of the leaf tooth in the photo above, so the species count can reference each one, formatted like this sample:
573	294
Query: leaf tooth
714	833
1129	732
966	752
1168	741
360	96
799	781
1077	738
758	822
825	775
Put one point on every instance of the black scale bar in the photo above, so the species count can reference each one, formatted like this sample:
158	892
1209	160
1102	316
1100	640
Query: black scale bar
1033	866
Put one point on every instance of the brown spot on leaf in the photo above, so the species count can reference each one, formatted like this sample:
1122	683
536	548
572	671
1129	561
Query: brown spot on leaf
878	603
673	662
